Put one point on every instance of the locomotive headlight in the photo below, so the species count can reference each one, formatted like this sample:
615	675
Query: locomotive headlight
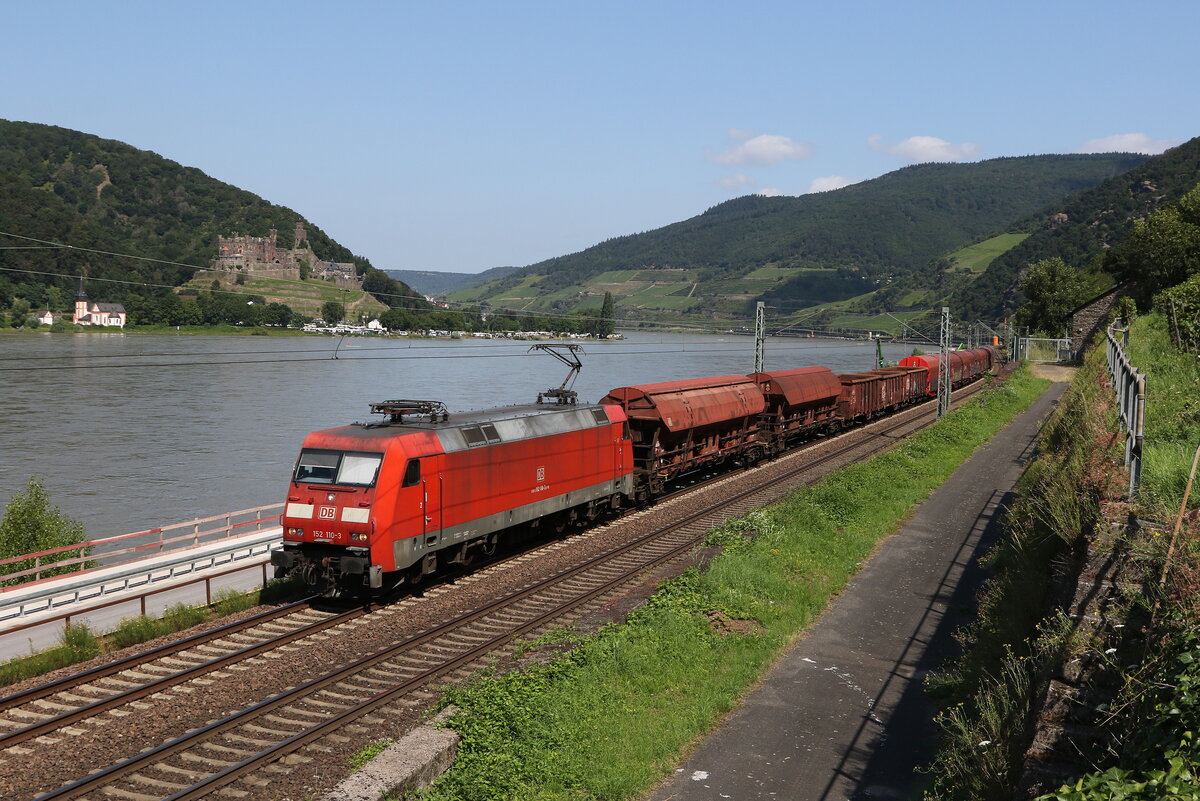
359	536
296	533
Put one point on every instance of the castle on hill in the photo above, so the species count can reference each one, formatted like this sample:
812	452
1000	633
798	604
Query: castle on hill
261	256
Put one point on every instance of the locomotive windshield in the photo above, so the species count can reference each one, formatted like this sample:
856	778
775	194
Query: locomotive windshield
337	467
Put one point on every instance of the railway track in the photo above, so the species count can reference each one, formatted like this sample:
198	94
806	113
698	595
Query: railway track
57	704
236	748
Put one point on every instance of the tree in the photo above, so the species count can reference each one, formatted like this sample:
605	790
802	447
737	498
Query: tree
396	320
1053	288
332	312
605	325
20	312
31	524
1163	249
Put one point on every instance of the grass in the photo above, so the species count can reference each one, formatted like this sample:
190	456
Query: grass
1172	426
78	644
977	257
613	716
368	752
1017	641
305	297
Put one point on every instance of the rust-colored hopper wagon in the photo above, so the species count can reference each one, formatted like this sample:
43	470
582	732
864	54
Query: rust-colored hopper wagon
800	403
680	426
965	366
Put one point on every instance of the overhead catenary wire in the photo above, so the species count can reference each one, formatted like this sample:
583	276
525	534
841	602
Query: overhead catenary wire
204	359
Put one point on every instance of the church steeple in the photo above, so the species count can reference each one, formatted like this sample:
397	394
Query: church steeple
81	305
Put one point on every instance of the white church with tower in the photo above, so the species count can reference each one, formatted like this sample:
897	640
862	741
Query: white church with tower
88	313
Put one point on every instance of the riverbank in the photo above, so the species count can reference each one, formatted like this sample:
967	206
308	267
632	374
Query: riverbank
611	718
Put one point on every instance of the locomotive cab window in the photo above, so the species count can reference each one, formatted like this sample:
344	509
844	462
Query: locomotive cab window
412	473
336	467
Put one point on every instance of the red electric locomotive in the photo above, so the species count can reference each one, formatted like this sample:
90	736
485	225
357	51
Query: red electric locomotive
374	504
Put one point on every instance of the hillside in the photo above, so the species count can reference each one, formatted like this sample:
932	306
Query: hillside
66	186
437	284
799	251
1080	227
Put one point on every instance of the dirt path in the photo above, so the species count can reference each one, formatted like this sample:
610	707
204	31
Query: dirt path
1054	372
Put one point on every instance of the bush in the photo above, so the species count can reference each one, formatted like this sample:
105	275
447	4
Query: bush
31	524
1180	306
229	601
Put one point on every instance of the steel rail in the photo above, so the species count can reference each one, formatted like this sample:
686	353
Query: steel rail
109	668
248	765
123	697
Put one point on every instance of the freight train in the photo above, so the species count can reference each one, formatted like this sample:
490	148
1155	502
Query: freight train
374	505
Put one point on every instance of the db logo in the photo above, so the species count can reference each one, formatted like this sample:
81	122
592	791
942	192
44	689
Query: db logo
541	474
327	512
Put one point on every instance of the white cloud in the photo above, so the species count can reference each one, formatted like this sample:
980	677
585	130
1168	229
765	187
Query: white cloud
762	149
828	183
920	149
738	134
1128	143
769	192
734	181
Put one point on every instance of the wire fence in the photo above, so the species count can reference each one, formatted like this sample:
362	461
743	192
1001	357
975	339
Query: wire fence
1129	384
1034	349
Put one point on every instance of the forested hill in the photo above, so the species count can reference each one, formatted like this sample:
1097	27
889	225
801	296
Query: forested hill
74	188
895	223
1082	227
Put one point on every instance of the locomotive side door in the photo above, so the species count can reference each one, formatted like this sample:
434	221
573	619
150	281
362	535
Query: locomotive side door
431	490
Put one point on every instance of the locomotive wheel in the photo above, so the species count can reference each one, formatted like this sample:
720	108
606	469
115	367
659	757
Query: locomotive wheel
559	524
468	553
415	575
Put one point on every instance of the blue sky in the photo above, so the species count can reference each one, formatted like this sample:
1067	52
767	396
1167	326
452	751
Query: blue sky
461	136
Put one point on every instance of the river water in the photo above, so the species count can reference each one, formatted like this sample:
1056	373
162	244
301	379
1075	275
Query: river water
136	431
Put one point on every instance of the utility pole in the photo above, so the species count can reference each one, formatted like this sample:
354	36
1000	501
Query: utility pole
944	388
760	335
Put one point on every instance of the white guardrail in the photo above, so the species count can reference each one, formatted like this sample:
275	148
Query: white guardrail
33	615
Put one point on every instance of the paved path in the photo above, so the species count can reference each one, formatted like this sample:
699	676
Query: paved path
843	714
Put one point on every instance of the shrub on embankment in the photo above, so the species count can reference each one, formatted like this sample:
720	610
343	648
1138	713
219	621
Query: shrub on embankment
32	524
1146	746
612	717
